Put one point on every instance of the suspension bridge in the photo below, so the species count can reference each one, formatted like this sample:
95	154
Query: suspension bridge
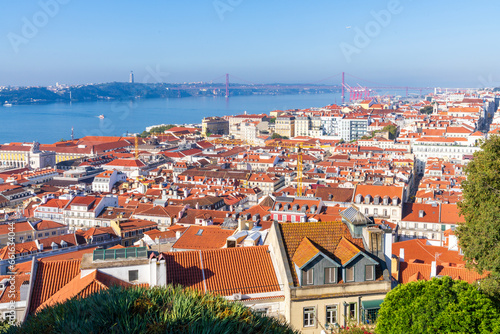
355	87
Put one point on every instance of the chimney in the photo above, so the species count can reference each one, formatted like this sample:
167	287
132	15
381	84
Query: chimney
178	234
401	255
161	273
433	269
421	213
241	224
395	267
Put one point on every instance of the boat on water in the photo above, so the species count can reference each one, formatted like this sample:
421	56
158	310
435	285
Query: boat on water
7	104
101	116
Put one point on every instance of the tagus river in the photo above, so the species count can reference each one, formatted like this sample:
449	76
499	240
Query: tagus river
48	123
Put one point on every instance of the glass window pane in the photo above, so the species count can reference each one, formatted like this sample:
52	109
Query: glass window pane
331	314
309	316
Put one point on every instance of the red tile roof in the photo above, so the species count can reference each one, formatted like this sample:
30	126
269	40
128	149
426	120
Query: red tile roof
126	163
5	228
346	250
410	272
417	249
83	287
227	271
305	252
50	278
203	237
47	225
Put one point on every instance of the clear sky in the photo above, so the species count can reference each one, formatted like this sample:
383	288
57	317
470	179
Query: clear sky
420	43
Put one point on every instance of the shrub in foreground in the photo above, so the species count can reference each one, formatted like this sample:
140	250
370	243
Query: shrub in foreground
441	305
155	310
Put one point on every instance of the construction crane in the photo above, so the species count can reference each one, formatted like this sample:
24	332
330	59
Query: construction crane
136	147
300	165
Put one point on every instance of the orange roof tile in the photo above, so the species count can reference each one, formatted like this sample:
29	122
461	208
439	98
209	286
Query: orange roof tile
203	237
83	287
50	277
305	252
346	250
226	271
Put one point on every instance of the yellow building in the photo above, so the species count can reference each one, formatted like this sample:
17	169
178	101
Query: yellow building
285	126
214	125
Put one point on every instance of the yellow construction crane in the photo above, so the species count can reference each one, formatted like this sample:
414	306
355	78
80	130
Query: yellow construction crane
136	147
300	166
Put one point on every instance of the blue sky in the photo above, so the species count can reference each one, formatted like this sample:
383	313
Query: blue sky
420	43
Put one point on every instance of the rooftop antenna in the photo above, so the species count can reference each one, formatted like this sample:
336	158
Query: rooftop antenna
436	256
72	133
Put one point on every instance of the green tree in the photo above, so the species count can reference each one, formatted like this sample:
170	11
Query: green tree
480	234
272	120
392	129
278	136
427	110
155	310
441	305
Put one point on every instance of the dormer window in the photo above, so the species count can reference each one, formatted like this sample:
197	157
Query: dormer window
386	200
359	198
376	200
394	200
368	199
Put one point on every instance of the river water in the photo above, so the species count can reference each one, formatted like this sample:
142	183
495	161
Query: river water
48	123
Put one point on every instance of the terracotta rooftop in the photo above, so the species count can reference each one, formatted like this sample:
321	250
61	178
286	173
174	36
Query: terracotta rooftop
305	252
83	287
203	237
50	278
346	250
47	225
226	271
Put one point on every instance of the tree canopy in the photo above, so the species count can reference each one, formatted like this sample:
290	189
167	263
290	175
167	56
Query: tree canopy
392	129
427	110
156	130
156	310
278	136
441	305
480	234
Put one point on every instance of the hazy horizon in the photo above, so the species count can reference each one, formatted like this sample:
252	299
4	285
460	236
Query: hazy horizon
400	43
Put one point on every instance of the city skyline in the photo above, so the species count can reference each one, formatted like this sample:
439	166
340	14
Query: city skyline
392	42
